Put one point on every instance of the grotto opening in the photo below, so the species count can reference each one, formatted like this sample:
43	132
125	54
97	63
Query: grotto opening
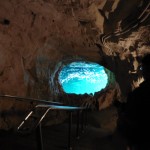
83	77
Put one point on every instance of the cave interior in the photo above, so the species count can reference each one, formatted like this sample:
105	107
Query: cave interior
38	38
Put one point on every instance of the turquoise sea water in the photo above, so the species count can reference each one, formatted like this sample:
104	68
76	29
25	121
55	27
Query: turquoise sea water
83	77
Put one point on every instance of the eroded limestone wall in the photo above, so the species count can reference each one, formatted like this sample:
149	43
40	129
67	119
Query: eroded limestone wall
37	35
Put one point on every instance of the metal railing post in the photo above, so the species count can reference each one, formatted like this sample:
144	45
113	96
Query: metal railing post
69	131
39	137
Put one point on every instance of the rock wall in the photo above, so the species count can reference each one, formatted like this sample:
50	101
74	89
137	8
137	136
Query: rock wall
37	35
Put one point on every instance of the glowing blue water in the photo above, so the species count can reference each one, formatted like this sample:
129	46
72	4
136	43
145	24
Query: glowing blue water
83	77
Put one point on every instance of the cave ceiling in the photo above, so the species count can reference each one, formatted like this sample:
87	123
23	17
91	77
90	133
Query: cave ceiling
36	34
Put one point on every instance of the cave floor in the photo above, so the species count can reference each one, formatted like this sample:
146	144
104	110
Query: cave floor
99	135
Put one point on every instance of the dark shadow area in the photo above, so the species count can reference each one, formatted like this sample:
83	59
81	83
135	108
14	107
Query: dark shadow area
98	135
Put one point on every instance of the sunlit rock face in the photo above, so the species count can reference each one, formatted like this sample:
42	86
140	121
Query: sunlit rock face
83	77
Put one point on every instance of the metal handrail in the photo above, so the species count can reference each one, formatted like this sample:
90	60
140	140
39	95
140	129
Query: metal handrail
50	105
19	98
70	109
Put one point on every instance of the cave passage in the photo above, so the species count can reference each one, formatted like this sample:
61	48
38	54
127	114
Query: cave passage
83	77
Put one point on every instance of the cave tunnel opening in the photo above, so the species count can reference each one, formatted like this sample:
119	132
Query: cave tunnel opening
82	77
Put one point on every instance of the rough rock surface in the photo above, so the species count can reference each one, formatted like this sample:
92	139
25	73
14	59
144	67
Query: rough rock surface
37	37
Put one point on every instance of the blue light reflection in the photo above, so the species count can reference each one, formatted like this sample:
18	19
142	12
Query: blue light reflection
83	77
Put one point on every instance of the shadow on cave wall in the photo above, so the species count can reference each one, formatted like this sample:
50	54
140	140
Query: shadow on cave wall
121	70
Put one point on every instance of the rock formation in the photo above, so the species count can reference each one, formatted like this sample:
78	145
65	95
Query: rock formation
38	37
